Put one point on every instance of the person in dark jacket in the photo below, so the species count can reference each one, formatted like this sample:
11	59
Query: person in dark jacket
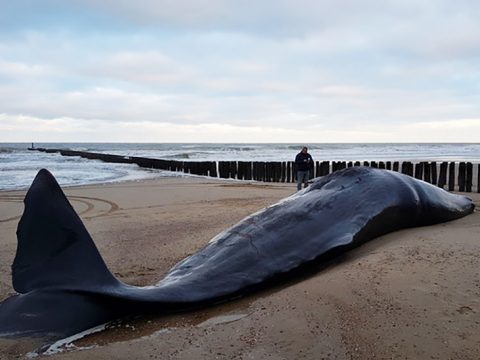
304	163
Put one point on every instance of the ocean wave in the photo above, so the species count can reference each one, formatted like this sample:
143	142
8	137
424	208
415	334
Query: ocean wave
18	165
178	156
238	149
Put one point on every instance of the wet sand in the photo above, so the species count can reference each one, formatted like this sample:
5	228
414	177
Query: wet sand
413	294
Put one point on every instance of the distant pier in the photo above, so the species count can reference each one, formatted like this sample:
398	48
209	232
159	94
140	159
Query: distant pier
452	176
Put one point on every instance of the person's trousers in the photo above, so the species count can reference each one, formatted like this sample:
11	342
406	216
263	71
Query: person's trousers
302	178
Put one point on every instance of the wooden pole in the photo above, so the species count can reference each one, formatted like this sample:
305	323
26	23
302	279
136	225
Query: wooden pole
469	177
426	172
451	176
407	168
442	177
433	171
478	178
249	170
324	168
328	168
256	170
221	169
461	176
418	170
241	165
213	168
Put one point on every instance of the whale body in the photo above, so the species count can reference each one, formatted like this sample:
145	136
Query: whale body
64	287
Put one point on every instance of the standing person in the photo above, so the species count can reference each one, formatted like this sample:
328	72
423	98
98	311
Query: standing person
304	163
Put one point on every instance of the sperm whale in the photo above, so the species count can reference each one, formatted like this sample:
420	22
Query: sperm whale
64	287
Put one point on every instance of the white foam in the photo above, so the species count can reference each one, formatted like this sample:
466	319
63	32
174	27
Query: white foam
67	343
223	319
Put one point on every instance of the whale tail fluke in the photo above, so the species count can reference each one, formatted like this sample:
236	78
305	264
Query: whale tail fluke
54	247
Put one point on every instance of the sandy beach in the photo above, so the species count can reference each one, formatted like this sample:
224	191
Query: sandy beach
412	294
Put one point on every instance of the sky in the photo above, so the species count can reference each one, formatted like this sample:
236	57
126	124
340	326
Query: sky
297	71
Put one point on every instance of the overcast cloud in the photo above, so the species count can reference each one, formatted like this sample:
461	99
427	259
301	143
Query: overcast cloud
231	71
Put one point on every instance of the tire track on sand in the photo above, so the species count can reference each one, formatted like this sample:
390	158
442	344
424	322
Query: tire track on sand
12	199
89	202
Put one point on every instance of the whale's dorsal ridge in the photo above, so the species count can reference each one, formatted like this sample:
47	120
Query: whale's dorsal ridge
54	247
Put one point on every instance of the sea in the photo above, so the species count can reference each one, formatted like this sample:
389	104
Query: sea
18	165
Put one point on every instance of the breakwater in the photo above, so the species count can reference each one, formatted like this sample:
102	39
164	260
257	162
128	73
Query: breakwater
452	176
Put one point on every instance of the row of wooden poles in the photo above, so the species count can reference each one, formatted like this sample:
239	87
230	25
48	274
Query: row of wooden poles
449	175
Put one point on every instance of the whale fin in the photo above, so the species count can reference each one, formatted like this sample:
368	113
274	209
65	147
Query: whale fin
54	247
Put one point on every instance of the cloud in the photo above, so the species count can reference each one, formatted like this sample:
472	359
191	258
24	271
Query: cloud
68	129
21	128
452	130
347	70
16	70
456	124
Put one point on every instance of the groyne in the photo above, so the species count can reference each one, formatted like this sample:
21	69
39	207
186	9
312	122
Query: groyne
453	176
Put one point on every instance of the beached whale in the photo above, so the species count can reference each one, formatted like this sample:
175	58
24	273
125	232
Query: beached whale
64	286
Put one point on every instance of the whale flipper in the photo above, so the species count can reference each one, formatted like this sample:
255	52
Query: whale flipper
54	247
